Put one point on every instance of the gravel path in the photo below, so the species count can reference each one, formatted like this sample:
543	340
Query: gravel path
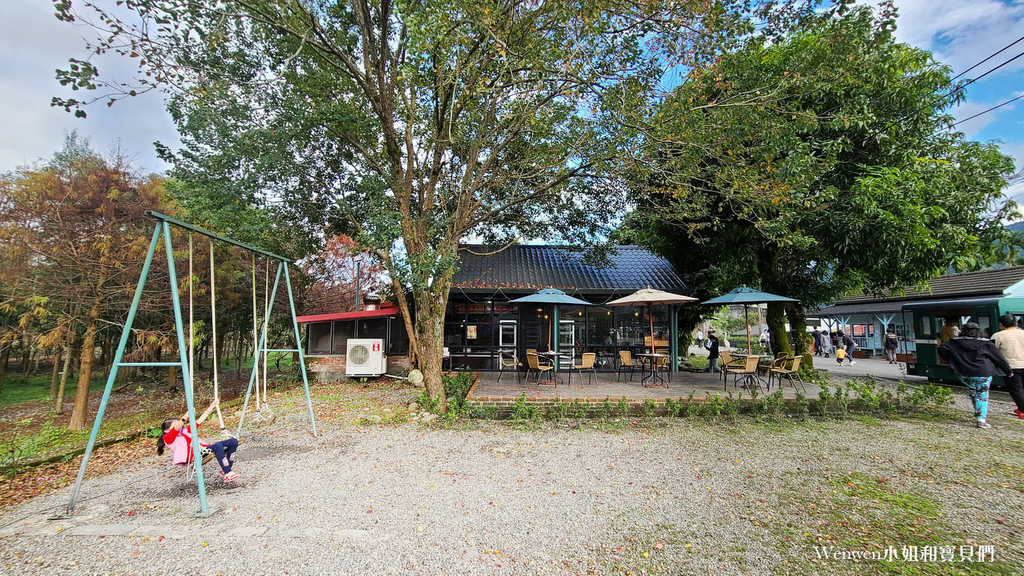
679	498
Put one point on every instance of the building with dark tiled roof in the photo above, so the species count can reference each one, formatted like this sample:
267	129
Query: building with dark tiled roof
481	324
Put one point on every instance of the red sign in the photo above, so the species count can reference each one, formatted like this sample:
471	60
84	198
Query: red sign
376	346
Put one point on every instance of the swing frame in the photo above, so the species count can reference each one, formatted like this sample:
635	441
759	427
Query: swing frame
163	228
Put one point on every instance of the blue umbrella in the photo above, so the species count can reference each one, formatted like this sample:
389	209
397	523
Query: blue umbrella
550	296
747	296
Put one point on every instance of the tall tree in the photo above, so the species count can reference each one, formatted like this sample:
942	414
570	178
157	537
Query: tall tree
80	219
816	164
410	125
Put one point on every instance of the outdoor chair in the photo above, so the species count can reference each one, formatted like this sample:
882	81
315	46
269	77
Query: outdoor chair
535	365
748	372
727	363
625	361
779	362
662	365
792	374
588	365
509	361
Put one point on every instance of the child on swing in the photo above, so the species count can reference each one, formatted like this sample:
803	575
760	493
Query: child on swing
178	436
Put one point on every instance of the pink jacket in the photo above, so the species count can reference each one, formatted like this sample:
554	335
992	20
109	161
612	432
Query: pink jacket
180	443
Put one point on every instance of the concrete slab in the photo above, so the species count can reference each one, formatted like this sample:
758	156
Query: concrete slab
101	530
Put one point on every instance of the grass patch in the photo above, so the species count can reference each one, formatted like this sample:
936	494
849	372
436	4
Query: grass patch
858	513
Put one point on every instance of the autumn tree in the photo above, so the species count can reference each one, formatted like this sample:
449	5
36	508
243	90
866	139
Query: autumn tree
410	125
80	221
816	164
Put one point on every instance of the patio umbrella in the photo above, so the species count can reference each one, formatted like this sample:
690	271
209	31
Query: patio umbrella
747	296
550	296
650	297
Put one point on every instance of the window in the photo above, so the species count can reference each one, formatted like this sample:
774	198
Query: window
926	326
858	330
343	330
399	344
373	328
320	338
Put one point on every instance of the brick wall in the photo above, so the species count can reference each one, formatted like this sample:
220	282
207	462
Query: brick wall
332	368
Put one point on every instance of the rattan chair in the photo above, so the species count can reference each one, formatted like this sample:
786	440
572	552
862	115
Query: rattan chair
535	365
587	364
792	374
509	361
625	361
726	364
748	372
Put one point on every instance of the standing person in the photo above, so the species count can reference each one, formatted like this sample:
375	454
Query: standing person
848	344
700	338
890	343
179	438
949	330
816	335
975	360
1010	342
712	346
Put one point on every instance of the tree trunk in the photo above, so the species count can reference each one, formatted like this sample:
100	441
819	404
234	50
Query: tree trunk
801	339
431	302
172	378
55	375
69	353
5	355
777	328
81	407
26	354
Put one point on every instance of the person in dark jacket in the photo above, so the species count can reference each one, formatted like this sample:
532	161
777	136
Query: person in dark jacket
712	345
816	335
975	360
847	340
891	344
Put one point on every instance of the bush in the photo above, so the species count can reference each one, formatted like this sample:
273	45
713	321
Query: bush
712	406
673	407
558	410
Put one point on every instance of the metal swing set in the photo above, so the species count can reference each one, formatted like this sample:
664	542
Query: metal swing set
185	351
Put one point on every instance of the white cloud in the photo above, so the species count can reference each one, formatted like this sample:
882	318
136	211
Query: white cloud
963	32
35	44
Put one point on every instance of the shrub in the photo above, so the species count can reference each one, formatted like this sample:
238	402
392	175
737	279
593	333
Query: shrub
673	407
775	405
648	408
824	399
692	406
801	408
731	408
523	414
712	405
623	407
558	410
579	410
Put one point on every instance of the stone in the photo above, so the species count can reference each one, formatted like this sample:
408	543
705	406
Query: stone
373	419
416	378
429	418
413	406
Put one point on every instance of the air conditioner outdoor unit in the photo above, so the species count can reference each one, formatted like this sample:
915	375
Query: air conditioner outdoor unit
365	357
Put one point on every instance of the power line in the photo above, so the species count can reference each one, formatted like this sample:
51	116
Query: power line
987	111
991	56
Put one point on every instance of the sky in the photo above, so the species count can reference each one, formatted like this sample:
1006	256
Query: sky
959	32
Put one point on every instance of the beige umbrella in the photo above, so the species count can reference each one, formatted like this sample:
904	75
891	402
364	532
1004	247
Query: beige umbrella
650	297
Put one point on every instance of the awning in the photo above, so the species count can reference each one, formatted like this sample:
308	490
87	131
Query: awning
379	313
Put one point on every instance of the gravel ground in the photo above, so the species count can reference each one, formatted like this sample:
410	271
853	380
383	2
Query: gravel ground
680	497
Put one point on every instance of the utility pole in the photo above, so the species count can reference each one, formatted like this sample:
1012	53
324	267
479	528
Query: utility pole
359	273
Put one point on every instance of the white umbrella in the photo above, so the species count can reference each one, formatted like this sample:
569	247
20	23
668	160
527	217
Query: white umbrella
650	297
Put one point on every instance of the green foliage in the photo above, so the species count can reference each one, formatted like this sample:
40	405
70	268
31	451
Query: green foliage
713	406
559	410
819	164
524	415
623	407
775	405
731	406
824	401
673	407
801	408
693	409
648	408
578	409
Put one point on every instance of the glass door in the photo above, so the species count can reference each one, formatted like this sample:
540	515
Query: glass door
566	342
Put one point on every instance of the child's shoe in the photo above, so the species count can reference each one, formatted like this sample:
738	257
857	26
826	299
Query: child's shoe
230	476
983	424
